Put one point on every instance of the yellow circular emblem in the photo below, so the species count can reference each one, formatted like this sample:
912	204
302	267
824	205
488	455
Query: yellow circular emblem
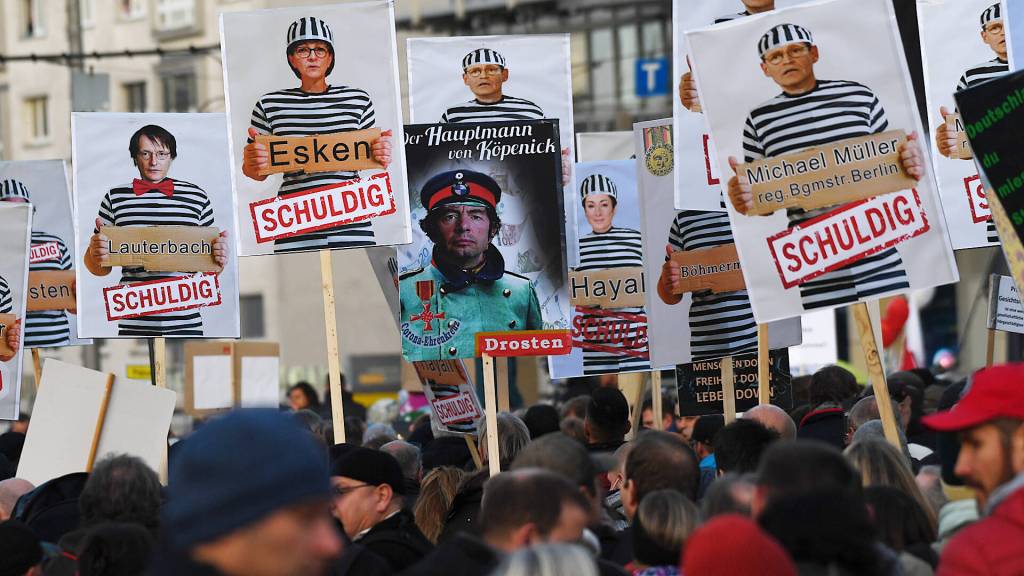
659	159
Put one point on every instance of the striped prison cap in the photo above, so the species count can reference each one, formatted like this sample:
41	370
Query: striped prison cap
310	28
483	56
782	35
11	188
598	184
991	14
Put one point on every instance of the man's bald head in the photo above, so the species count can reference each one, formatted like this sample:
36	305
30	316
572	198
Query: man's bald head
10	490
773	418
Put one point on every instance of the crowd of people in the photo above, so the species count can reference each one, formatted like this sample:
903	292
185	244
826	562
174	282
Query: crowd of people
815	490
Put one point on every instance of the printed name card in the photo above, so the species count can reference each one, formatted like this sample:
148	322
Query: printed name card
609	288
51	290
716	269
344	151
524	343
450	394
162	248
6	320
955	124
845	171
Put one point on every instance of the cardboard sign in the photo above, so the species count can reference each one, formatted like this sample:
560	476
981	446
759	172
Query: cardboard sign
160	296
324	207
352	150
609	288
222	375
716	269
700	384
1005	311
162	248
51	290
454	406
956	125
5	321
845	235
845	171
524	343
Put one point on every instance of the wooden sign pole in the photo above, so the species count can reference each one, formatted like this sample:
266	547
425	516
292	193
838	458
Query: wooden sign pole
333	358
474	452
37	367
632	387
764	389
160	362
99	423
656	407
504	401
867	343
490	409
728	390
989	348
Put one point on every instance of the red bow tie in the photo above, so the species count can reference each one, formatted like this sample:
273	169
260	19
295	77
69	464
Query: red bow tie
166	186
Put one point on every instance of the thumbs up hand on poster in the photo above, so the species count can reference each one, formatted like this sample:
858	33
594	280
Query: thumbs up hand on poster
945	138
254	157
688	96
96	255
911	156
740	193
381	149
669	279
13	336
220	249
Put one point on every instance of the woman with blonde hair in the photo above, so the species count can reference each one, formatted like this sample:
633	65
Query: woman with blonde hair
548	560
663	522
882	464
437	492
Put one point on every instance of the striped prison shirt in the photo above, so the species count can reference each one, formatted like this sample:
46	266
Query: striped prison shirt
48	327
834	110
187	206
508	108
614	248
972	77
292	112
6	302
720	324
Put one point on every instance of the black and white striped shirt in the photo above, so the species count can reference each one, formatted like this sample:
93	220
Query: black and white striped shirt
834	110
508	108
6	302
720	324
972	77
614	248
48	327
187	206
293	112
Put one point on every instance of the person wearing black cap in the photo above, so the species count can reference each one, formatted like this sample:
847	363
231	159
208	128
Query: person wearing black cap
466	288
827	111
484	71
368	489
607	420
314	108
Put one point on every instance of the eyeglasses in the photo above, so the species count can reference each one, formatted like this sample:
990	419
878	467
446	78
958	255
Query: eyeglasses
994	28
793	51
147	155
305	51
484	70
341	491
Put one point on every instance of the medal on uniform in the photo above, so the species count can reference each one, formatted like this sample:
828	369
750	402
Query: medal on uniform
425	292
658	150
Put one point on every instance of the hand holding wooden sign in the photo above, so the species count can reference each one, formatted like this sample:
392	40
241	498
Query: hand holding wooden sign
610	288
10	336
822	176
161	248
713	270
951	138
350	150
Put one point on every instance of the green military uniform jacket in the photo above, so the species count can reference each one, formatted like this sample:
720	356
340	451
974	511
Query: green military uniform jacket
444	307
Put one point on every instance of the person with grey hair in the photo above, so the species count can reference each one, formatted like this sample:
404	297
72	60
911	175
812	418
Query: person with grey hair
548	560
377	435
663	522
773	418
411	462
729	494
513	435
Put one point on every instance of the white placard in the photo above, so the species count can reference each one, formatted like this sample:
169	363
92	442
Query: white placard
819	347
211	377
1005	311
260	385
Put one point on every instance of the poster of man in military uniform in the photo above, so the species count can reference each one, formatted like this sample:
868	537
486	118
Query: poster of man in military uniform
488	253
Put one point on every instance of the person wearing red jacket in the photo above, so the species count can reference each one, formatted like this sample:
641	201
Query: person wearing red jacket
990	421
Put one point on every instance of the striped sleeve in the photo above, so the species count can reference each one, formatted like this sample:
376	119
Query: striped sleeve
259	120
65	256
106	214
752	147
368	118
879	122
6	302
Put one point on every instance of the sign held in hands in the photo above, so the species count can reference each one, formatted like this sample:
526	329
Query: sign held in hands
956	126
6	320
162	248
609	288
352	150
716	269
837	173
51	290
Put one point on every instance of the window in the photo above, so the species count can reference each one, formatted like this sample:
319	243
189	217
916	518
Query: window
180	92
34	26
175	14
628	52
132	9
87	13
37	119
251	312
135	97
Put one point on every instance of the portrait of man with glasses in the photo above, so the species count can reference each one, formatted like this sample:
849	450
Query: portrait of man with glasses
484	71
153	199
316	107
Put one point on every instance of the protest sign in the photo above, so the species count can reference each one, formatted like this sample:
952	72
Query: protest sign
223	375
311	124
81	416
715	269
835	68
1005	312
497	78
15	229
488	194
683	327
50	320
992	113
700	384
818	347
156	227
598	146
612	288
523	343
454	407
1015	33
963	43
